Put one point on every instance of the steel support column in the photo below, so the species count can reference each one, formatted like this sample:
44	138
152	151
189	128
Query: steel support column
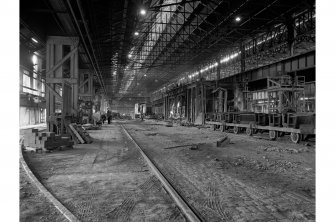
85	88
218	70
242	49
291	34
203	101
57	83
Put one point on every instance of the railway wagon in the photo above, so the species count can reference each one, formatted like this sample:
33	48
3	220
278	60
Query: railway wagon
298	125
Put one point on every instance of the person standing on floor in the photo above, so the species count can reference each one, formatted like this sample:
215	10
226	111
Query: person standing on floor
109	116
142	116
103	118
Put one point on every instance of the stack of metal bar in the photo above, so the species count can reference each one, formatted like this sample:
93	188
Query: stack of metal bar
79	134
45	140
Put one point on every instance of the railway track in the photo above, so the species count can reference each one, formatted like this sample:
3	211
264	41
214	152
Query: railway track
185	181
214	190
68	215
190	213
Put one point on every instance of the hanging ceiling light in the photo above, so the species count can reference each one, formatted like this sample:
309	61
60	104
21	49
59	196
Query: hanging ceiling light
34	40
143	12
34	59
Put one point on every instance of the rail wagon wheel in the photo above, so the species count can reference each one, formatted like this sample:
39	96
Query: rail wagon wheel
273	134
295	137
249	131
236	129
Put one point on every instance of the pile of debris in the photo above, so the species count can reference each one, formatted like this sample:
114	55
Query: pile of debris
79	134
159	116
243	161
186	123
239	161
35	141
225	140
284	164
271	148
150	134
169	124
89	126
194	146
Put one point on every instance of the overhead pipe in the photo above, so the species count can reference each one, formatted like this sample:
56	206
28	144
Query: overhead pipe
90	40
86	49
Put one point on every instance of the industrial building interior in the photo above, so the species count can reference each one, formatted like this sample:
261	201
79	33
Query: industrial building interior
167	110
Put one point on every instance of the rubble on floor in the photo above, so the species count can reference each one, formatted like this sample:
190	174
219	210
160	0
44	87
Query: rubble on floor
169	124
223	141
89	126
186	123
151	134
271	148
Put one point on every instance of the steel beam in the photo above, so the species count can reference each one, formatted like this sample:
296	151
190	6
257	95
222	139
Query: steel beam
61	62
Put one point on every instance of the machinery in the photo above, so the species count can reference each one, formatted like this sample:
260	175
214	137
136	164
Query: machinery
85	112
142	108
281	94
278	109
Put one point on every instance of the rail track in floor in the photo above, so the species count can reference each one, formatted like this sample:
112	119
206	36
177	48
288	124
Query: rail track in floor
54	201
217	192
206	205
189	212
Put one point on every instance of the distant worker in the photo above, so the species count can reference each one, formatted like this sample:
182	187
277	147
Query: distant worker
96	117
109	116
103	118
142	116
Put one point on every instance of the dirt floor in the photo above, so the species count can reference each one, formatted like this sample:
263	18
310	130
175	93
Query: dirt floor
33	205
249	179
107	180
